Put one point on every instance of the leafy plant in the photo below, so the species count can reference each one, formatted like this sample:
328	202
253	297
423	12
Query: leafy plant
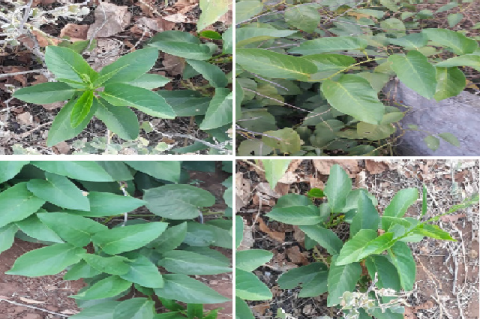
86	213
310	75
363	274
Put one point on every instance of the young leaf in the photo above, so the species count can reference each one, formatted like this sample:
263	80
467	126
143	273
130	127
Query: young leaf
458	42
251	259
219	112
341	279
242	310
211	72
450	82
135	308
433	231
338	187
285	140
403	260
9	169
150	81
68	64
81	109
7	235
119	119
329	44
303	17
211	11
227	37
274	170
45	93
450	138
114	265
105	288
399	205
80	170
325	237
33	227
244	10
45	261
181	44
471	60
364	244
249	287
18	203
190	263
170	239
330	62
366	216
81	270
166	171
387	275
143	272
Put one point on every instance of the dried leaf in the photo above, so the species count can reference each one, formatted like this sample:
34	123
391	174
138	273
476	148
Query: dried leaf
173	64
75	32
117	19
25	118
275	235
349	165
375	166
31	301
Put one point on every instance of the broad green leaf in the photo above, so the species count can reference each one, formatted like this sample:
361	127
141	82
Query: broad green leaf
403	260
432	142
177	201
330	62
303	17
100	311
275	65
81	270
9	169
190	263
108	204
375	132
450	138
274	170
105	288
227	37
211	72
244	10
249	287
296	215
61	129
471	60
67	64
81	109
341	279
143	272
181	44
450	82
300	276
76	230
59	191
338	187
247	35
150	81
291	200
251	259
166	170
329	44
416	72
285	140
114	265
81	170
387	275
118	170
135	308
131	66
325	237
353	95
188	290
393	26
119	119
186	102
209	34
122	239
45	261
7	235
413	41
458	42
33	227
366	216
447	7
399	205
220	109
211	11
170	238
316	286
45	93
18	203
120	94
454	18
364	244
242	310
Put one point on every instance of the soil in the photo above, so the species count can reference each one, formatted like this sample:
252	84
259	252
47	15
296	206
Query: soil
447	272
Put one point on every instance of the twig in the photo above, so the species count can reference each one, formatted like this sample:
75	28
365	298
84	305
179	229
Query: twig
23	135
20	73
32	307
220	147
125	193
25	16
238	128
99	28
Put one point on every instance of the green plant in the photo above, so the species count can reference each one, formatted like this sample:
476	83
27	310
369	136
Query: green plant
310	75
364	275
87	214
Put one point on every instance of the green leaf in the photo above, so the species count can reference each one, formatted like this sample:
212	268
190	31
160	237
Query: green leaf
121	239
114	265
387	275
316	286
433	231
18	203
181	44
454	18
471	60
458	42
45	93
100	311
211	11
108	204
325	237
366	216
275	65
251	259
211	72
190	263
249	287
143	272
285	140
209	34
296	215
415	72
170	239
227	37
81	109
399	205
62	130
432	142
188	290
338	187
177	201
450	82
413	41
403	260
394	26
130	67
119	119
450	138
353	95
300	276
330	62
247	35
33	227
303	17
274	170
186	102
329	44
45	261
59	191
67	64
7	235
238	230
166	171
135	308
120	94
341	279
364	244
10	169
219	112
105	288
81	270
242	310
150	81
244	10
81	170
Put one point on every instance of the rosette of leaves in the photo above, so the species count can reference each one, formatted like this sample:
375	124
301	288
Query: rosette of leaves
86	214
376	245
311	84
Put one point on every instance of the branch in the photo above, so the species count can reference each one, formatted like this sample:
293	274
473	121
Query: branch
36	308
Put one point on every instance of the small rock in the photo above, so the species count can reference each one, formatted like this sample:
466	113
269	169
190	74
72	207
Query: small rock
25	118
